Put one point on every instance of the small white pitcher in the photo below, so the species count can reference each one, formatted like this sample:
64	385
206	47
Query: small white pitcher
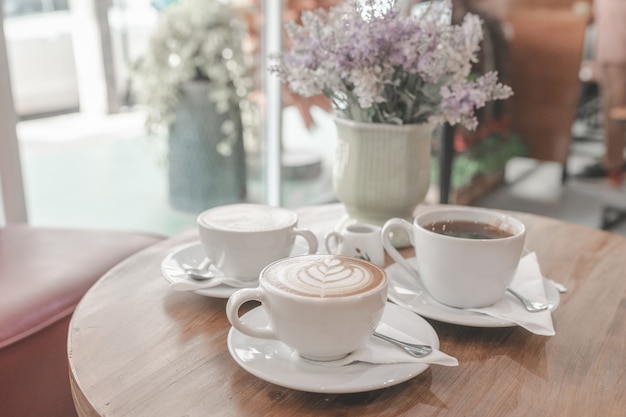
358	240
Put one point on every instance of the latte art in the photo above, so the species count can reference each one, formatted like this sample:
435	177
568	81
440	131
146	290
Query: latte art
324	276
247	218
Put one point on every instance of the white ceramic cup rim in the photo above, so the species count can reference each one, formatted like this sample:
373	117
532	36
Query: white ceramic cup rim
291	220
513	225
326	300
361	228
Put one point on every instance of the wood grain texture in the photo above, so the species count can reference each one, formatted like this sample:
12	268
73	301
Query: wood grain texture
138	349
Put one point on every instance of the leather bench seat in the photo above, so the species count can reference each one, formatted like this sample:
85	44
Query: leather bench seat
44	272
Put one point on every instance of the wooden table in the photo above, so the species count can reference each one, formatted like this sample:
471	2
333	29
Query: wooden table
137	348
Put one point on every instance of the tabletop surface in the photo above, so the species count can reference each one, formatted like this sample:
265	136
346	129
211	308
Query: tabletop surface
136	348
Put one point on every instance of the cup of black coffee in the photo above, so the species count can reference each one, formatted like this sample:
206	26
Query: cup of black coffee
466	256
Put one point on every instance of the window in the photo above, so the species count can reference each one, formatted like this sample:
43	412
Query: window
14	8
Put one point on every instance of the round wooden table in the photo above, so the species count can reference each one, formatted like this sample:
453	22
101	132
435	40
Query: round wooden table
137	348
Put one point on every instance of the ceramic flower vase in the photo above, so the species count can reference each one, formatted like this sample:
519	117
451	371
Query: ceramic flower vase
201	173
381	171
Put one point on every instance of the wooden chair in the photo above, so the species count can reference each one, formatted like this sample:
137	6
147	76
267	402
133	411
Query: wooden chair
614	213
546	56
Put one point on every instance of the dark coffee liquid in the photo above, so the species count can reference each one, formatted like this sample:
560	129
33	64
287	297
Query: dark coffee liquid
468	229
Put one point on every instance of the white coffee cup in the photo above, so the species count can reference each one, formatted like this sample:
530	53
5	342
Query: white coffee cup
323	306
242	239
461	272
358	240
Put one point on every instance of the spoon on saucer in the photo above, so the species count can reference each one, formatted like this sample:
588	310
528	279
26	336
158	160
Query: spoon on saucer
214	281
198	275
201	272
530	305
417	351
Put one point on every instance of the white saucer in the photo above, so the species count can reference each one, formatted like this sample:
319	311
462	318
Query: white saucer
191	255
275	362
404	290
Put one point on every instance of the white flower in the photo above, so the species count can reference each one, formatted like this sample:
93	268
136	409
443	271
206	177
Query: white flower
194	39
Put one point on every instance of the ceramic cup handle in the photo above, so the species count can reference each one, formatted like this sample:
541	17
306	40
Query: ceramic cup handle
310	238
390	225
232	312
328	241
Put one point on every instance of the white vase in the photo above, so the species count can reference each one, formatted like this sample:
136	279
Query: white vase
381	171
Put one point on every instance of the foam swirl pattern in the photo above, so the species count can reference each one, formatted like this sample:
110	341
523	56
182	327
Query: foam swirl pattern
324	276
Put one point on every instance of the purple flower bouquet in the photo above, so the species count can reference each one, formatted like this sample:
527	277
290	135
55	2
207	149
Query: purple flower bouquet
378	65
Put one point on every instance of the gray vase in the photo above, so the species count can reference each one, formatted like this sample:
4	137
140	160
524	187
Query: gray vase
200	176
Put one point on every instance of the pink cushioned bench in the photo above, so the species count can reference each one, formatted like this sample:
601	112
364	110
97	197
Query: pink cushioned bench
44	272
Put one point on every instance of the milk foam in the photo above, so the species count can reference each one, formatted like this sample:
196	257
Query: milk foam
324	276
247	218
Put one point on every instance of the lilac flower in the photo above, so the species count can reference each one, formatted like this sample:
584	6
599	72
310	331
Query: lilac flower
379	66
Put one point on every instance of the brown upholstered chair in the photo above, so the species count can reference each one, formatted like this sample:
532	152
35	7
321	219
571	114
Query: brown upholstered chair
44	272
546	57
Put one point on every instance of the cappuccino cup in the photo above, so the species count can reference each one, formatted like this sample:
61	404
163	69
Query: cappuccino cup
466	257
242	239
322	306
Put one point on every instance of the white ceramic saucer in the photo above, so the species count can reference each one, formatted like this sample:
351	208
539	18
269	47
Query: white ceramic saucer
275	362
191	255
404	290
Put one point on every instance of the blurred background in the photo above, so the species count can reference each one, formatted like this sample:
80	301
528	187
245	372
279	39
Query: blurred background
86	154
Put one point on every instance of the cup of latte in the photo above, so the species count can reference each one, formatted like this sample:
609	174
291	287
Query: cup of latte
322	306
242	239
466	257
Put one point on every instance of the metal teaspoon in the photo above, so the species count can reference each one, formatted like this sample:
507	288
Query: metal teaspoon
412	349
530	305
